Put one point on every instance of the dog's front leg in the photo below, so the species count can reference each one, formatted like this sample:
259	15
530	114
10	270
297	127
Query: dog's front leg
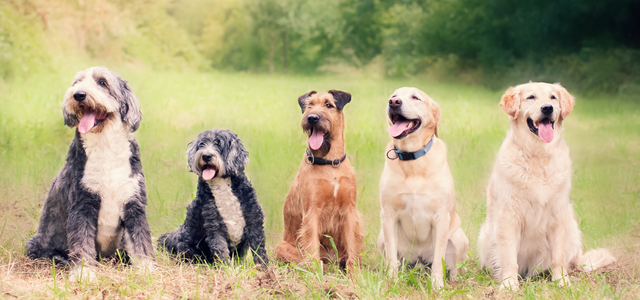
215	239
310	234
81	233
138	235
254	235
507	239
389	231
352	239
442	221
558	262
219	247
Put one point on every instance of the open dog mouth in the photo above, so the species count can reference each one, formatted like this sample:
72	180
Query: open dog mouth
543	129
316	138
90	119
402	126
209	171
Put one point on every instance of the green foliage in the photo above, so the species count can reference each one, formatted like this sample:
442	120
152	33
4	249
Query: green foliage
590	46
21	45
42	35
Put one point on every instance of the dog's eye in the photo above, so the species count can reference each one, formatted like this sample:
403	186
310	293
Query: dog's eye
531	97
102	82
328	105
414	97
553	97
216	142
201	145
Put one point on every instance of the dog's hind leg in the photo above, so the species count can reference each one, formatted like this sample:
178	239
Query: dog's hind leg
457	247
50	241
171	241
287	253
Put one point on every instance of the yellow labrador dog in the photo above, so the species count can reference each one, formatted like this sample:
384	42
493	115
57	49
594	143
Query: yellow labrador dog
530	225
418	204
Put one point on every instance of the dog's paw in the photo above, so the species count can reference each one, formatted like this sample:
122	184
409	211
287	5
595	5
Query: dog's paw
392	272
509	284
80	274
146	266
437	282
562	280
392	269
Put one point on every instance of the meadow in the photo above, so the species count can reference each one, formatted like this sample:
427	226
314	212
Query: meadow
603	134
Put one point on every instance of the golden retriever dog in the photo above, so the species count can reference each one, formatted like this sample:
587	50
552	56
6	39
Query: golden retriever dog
417	197
322	200
530	225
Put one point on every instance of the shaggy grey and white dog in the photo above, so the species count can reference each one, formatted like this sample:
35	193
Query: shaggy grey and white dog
224	220
96	204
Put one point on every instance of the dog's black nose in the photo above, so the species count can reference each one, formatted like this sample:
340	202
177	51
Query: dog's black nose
79	96
313	119
395	102
547	109
207	157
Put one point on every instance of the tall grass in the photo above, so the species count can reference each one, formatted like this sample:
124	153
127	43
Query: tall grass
602	133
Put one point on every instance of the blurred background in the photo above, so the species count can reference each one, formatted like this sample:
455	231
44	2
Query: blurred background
590	46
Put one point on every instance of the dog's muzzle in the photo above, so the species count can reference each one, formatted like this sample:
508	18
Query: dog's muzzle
401	126
542	128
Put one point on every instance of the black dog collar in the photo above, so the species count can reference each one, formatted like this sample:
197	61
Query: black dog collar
402	155
321	161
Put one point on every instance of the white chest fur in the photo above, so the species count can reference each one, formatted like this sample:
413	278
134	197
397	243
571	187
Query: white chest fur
229	208
108	174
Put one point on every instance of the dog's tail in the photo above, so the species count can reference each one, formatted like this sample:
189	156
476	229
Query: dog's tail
594	259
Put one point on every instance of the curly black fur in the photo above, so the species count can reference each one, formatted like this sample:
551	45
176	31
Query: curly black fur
204	235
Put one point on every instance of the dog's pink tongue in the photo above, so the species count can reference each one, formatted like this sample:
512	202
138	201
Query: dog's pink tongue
88	121
316	139
397	128
208	173
545	132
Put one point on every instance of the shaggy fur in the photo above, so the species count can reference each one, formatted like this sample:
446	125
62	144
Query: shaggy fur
530	225
419	223
322	198
224	220
96	204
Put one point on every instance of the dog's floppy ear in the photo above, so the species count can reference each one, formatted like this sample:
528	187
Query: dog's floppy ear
129	107
237	157
566	101
191	155
342	98
302	100
435	108
510	102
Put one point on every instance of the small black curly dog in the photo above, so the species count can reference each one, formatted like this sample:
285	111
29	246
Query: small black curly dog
224	220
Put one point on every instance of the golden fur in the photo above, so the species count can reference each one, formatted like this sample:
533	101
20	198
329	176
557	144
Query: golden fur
530	225
417	197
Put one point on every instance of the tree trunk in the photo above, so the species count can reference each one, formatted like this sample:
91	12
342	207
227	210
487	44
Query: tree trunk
272	53
284	51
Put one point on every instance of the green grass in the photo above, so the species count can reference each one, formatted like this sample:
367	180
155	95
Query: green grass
604	136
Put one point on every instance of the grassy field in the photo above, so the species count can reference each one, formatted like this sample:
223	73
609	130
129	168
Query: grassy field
603	133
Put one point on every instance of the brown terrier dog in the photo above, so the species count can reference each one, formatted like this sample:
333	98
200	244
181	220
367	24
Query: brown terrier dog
322	198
